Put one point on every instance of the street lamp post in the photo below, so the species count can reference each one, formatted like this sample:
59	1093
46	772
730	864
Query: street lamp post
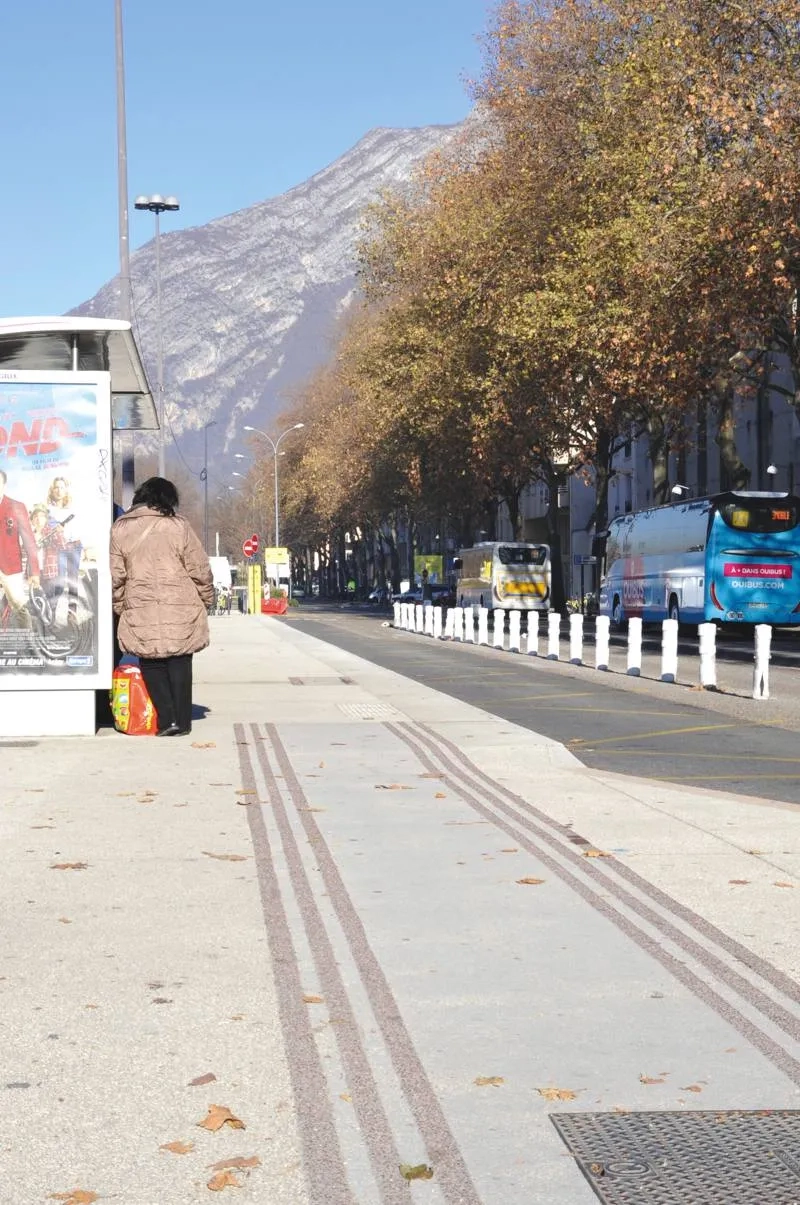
275	444
204	479
158	205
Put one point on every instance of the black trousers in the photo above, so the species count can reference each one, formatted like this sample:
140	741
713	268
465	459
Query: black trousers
169	684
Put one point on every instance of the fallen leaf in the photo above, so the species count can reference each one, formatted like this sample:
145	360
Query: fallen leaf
218	1116
247	792
204	744
78	1196
650	1079
557	1093
177	1147
595	853
529	882
321	765
755	852
91	1006
431	775
125	794
236	1161
43	826
418	1171
391	786
779	884
308	999
226	857
692	1088
64	920
222	1180
509	851
440	795
489	1081
739	882
208	1078
345	1096
69	866
597	1169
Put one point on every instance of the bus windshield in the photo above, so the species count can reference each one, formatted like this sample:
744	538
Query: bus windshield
759	515
508	554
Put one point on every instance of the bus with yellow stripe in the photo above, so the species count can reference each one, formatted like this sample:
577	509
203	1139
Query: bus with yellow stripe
504	575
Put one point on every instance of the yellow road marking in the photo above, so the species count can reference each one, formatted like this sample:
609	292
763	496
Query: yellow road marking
643	736
724	777
711	756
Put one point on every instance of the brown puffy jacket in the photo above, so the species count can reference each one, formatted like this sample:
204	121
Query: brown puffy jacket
162	584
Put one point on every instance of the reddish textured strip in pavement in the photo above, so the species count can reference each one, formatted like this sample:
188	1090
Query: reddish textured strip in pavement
452	1174
770	974
769	1008
768	1047
322	1164
372	1119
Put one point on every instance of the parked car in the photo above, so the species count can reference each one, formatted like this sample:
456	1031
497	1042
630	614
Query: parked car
441	596
380	596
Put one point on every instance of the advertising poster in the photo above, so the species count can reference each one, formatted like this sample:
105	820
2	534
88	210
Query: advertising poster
55	513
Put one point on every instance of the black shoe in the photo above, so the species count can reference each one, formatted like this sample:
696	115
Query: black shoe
170	730
176	731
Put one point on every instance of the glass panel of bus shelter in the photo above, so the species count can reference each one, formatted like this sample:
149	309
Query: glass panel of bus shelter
753	561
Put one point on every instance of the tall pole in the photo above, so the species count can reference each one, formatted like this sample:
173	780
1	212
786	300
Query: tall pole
160	349
275	458
125	307
204	479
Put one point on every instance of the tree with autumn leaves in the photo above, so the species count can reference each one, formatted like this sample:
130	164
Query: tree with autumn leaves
612	247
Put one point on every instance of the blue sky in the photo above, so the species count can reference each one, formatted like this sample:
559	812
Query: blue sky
227	104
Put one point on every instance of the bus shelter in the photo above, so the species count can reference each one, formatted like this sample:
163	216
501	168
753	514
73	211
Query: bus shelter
66	385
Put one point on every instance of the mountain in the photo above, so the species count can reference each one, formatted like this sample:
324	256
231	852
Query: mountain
250	300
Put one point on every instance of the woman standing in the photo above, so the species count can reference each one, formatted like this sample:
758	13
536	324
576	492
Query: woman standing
162	587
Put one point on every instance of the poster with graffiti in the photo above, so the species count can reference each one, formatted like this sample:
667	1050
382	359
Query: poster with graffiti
55	513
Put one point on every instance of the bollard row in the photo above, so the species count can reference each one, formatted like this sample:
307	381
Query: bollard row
466	624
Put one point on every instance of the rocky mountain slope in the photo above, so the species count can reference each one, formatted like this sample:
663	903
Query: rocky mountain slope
250	300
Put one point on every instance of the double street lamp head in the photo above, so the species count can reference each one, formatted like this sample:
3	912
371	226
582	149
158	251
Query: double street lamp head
156	203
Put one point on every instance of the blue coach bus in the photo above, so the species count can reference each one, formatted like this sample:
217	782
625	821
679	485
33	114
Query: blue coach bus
732	557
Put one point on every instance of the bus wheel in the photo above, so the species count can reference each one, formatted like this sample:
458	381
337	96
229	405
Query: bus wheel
674	609
616	612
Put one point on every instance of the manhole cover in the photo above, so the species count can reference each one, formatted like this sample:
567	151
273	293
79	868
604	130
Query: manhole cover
370	711
697	1158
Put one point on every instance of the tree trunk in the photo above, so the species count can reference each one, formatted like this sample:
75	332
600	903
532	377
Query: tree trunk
511	499
602	474
735	471
558	594
659	458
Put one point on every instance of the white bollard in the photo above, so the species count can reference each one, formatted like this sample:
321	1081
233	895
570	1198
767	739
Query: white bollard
398	614
499	628
420	612
707	633
483	625
404	616
449	623
761	670
428	620
576	639
532	645
458	623
514	638
669	650
553	636
470	629
602	630
634	647
437	623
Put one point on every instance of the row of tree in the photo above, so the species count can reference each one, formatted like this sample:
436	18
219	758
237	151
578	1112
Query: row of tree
611	246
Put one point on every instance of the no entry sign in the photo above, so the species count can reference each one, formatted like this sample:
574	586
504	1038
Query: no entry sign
250	546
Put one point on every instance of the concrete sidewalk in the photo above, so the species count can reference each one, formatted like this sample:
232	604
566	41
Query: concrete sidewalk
379	926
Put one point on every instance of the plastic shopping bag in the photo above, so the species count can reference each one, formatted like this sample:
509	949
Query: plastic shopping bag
131	705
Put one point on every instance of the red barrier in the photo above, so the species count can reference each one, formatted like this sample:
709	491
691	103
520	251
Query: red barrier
274	606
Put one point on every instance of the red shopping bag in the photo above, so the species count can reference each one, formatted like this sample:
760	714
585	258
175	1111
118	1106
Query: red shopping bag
131	705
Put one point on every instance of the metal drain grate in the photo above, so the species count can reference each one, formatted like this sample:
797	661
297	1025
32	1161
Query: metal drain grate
370	711
698	1158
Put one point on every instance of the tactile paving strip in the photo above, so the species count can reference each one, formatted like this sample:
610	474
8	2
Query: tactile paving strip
731	1157
370	711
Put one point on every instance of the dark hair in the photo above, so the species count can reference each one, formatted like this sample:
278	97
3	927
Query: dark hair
157	493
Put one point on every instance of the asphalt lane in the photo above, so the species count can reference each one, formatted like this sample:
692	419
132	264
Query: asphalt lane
607	728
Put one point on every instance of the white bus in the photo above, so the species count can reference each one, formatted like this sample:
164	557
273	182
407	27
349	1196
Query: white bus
733	557
504	575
